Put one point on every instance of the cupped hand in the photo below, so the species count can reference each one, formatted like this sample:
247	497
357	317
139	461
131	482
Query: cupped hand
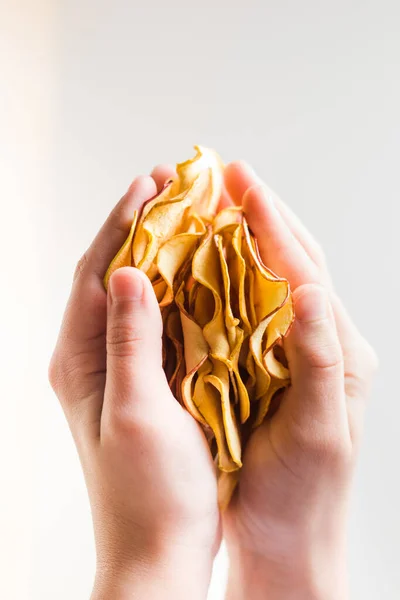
147	465
286	526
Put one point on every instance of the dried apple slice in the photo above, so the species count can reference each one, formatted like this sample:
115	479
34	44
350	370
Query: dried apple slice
237	271
219	378
160	225
280	324
227	483
203	306
242	392
170	258
208	164
173	329
124	256
274	367
206	270
141	239
160	288
196	352
268	290
262	378
231	322
275	386
228	217
207	399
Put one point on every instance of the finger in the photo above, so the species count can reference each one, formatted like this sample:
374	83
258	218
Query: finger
116	228
135	377
316	365
87	306
359	351
303	236
239	177
359	358
360	362
78	363
161	174
279	248
225	199
298	229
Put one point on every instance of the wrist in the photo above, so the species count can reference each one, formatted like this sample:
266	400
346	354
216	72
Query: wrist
307	573
172	575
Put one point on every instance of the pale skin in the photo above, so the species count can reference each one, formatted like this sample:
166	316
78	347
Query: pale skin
149	474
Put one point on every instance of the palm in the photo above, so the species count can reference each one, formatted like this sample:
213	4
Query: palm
273	468
190	463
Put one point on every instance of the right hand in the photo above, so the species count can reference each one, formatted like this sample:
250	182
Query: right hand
286	527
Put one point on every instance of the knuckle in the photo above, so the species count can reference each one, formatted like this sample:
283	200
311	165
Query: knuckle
361	364
65	374
355	384
328	357
58	374
80	266
126	423
123	340
328	448
58	377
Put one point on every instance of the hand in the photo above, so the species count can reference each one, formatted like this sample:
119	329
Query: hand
286	526
147	466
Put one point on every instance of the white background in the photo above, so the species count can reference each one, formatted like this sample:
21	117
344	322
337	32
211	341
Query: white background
92	94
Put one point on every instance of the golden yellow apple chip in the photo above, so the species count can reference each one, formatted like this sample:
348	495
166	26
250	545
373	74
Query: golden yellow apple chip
124	255
224	312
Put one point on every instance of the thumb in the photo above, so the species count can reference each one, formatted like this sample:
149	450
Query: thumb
315	360
135	377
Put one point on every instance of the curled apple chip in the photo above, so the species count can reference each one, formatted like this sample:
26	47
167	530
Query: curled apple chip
224	312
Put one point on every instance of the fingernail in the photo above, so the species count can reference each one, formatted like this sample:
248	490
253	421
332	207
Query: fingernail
126	283
313	305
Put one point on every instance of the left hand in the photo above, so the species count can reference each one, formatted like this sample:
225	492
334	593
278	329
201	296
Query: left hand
148	469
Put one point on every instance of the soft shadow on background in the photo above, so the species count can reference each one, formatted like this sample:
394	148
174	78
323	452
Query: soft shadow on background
95	93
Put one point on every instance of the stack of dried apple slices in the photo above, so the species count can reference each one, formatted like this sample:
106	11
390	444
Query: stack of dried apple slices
224	312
